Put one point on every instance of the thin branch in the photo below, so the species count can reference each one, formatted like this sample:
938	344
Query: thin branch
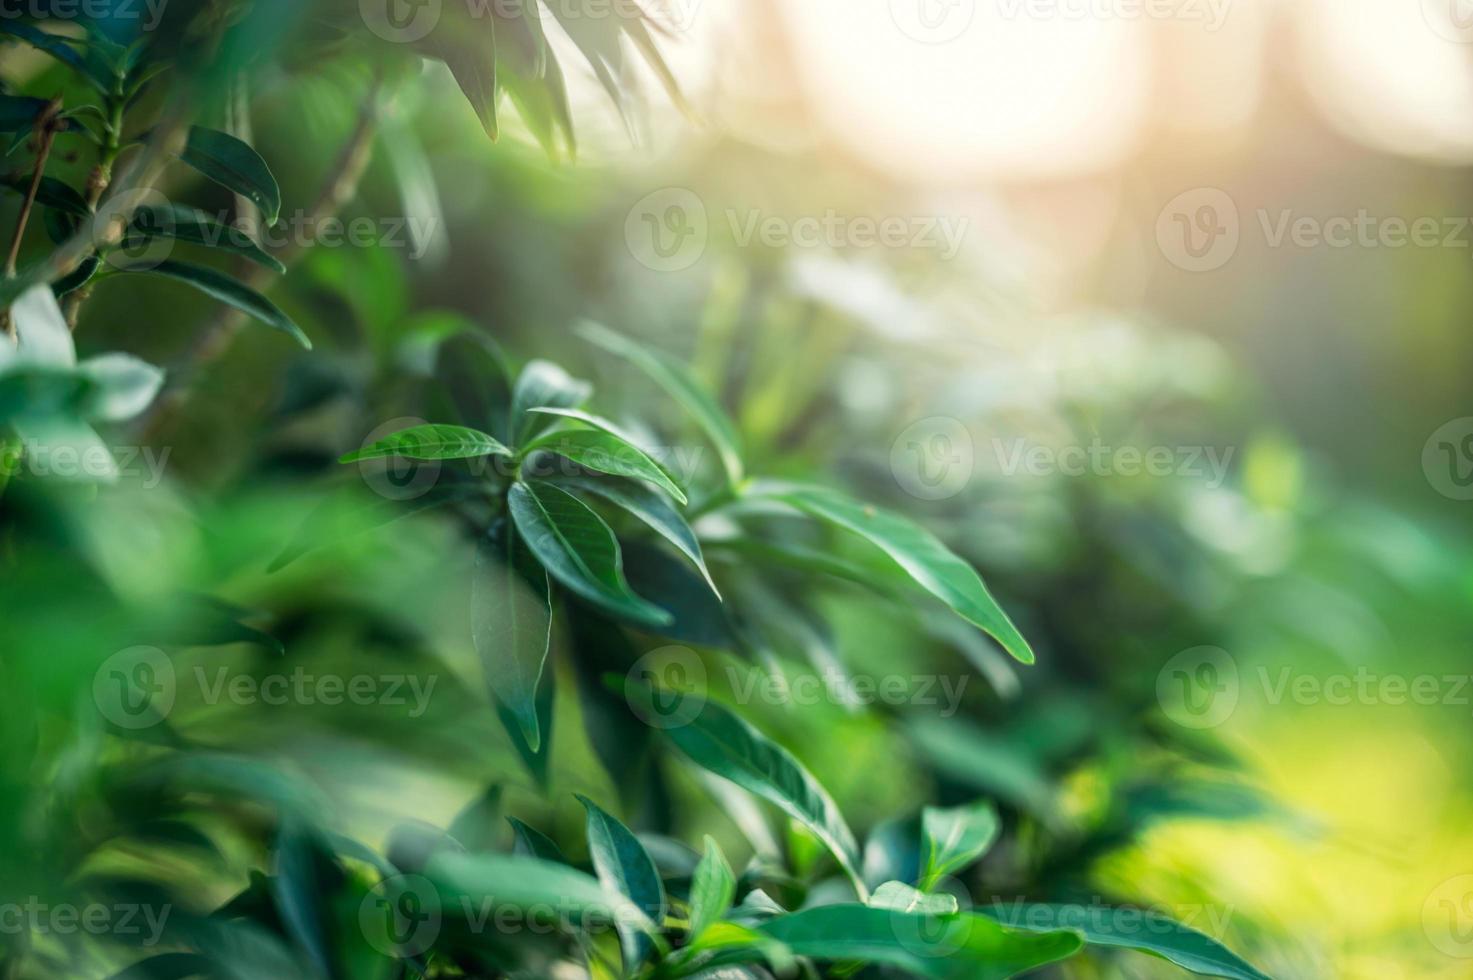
46	128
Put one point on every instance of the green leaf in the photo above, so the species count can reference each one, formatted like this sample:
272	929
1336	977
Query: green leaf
542	384
473	65
900	897
605	453
122	387
496	881
59	48
578	549
475	825
18	113
511	625
1135	929
431	442
649	507
624	866
712	889
717	740
232	164
954	839
679	385
42	332
531	842
669	483
194	227
52	193
299	891
228	290
963	947
917	552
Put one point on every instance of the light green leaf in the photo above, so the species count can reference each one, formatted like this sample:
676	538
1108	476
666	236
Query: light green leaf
916	551
234	165
542	384
578	549
717	740
712	889
228	290
59	48
497	881
1135	929
954	839
900	897
431	442
670	484
960	947
511	625
649	507
624	866
122	387
605	453
679	385
41	329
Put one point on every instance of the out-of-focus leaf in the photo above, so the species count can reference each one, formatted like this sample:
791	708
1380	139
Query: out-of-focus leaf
511	624
531	842
578	549
300	893
900	897
497	881
712	889
122	386
59	48
52	193
624	866
475	825
955	838
1135	929
679	385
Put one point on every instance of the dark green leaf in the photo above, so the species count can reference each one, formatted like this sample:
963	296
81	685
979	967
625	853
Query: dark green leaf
232	164
1131	929
476	825
300	893
511	624
916	552
719	741
542	384
431	442
578	549
649	507
228	290
624	866
59	48
531	842
194	227
18	113
52	193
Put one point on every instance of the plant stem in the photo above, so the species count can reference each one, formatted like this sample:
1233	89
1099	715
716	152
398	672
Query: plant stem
338	189
97	184
46	127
